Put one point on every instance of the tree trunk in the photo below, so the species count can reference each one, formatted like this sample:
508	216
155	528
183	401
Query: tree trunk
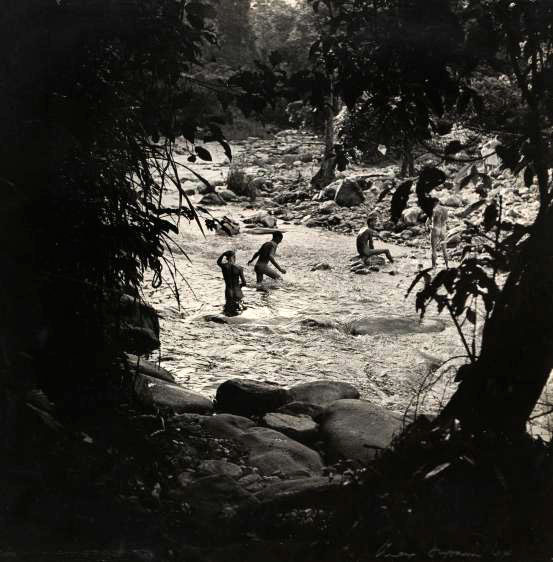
407	162
501	389
325	174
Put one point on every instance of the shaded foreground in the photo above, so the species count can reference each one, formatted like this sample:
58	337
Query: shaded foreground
142	482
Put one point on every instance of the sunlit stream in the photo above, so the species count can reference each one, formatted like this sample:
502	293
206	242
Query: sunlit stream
302	328
298	329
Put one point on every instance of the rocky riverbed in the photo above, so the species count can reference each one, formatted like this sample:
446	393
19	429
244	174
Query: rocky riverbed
305	328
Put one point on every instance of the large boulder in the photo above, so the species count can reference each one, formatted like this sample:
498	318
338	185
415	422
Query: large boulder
245	397
302	428
228	196
161	395
139	327
322	393
357	430
227	426
212	198
349	193
411	216
275	454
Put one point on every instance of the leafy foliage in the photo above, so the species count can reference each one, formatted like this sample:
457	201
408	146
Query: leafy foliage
90	129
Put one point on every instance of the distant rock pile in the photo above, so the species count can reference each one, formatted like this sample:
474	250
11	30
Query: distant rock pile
275	175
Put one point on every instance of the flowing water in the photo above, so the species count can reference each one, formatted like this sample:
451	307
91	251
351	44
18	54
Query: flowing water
299	329
302	328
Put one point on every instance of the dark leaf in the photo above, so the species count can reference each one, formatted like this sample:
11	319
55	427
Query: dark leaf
471	315
491	215
400	199
528	176
168	226
423	274
203	153
430	178
453	147
226	148
443	127
188	131
508	155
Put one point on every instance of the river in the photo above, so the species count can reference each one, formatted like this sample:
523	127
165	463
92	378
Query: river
284	336
281	336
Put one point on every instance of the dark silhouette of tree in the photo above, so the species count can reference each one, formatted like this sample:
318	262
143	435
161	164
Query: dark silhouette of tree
235	36
93	95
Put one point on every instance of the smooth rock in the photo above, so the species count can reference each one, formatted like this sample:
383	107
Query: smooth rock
322	393
165	396
211	199
400	325
357	430
298	427
273	453
137	364
227	426
349	193
302	408
245	397
228	195
139	326
411	216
